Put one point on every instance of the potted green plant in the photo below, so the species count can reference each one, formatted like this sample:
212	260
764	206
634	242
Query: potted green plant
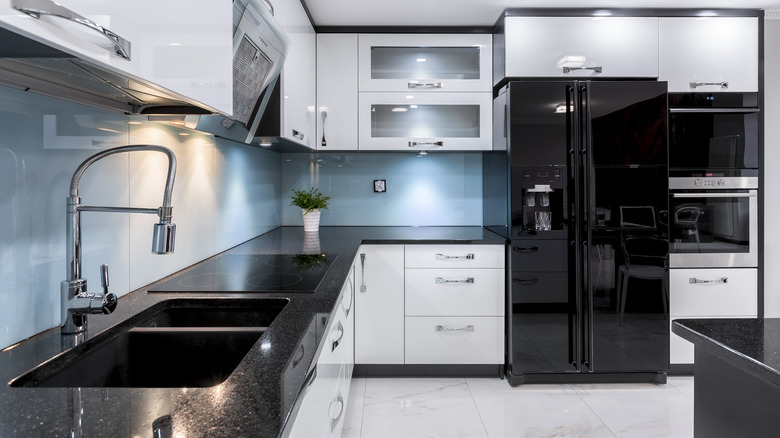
311	202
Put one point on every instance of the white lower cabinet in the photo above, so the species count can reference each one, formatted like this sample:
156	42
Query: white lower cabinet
455	340
709	293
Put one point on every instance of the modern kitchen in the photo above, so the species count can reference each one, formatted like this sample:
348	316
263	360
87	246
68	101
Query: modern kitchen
463	204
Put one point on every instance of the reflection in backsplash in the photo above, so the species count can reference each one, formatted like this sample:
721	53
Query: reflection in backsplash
438	189
225	194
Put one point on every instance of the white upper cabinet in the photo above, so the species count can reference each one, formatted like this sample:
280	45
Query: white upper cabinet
337	92
709	53
183	46
435	63
425	121
299	75
580	47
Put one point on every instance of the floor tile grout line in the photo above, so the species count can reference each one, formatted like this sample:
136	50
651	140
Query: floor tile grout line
484	427
573	388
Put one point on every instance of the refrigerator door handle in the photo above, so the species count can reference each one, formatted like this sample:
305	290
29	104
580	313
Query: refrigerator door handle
587	203
574	170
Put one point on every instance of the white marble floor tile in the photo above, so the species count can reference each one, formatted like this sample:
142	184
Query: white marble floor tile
534	411
420	408
640	410
683	383
353	419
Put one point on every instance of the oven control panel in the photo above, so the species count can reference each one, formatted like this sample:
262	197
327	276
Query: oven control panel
714	183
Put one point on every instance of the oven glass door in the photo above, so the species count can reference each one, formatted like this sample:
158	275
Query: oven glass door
713	140
713	229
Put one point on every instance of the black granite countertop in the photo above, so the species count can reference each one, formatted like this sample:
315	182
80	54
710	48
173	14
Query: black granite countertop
752	344
259	395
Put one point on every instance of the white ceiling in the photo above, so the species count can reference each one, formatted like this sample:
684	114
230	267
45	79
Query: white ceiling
479	12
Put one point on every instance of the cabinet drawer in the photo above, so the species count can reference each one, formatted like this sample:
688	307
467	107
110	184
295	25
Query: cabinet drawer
454	340
681	350
540	287
539	255
454	256
713	292
454	292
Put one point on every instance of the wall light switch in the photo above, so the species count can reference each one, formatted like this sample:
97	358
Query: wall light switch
380	186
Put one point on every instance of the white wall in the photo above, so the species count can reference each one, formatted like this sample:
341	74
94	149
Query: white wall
771	157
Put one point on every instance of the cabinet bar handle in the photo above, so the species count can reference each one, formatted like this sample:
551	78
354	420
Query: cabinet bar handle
526	281
525	248
468	328
416	84
425	143
722	280
595	69
442	280
696	85
363	273
36	8
469	256
337	341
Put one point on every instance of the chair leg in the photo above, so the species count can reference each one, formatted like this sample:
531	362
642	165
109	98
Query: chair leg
624	290
665	292
618	294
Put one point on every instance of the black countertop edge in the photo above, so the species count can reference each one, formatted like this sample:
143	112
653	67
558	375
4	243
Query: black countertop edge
751	344
258	397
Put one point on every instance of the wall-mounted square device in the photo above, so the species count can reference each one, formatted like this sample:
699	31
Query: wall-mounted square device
380	186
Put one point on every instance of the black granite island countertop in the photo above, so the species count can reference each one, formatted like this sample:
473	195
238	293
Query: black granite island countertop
737	373
259	395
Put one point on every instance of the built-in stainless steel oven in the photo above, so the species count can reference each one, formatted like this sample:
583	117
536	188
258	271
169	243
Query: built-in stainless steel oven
713	134
713	222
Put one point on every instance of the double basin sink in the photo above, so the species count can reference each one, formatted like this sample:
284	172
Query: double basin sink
178	342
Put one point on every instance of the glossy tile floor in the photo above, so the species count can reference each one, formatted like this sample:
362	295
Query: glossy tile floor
490	408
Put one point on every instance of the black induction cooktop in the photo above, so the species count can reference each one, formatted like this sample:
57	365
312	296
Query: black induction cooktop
252	273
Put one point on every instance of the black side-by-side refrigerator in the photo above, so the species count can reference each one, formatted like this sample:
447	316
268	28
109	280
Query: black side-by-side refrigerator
587	212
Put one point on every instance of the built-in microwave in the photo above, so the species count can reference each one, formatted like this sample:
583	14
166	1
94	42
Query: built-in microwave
713	134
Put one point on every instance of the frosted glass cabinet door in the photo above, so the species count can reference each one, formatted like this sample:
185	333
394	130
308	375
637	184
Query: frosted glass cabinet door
436	63
709	54
581	47
425	121
184	46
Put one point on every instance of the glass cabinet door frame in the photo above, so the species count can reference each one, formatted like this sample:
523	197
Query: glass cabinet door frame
434	85
481	142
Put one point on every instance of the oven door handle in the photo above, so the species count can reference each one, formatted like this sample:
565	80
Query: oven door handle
750	194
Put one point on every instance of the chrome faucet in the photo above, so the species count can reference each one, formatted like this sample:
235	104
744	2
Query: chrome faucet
76	302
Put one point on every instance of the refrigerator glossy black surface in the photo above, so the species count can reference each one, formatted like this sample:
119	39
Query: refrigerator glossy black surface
588	182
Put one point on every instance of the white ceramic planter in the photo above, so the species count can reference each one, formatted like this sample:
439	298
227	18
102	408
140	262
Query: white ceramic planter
311	220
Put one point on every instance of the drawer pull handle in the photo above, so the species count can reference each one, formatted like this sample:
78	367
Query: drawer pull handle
334	420
526	281
468	328
442	280
416	84
525	249
722	280
449	257
337	341
413	144
696	85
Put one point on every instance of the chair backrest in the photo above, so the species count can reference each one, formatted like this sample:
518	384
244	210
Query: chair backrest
687	215
645	249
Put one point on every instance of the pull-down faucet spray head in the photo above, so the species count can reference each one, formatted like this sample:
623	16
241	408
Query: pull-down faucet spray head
164	236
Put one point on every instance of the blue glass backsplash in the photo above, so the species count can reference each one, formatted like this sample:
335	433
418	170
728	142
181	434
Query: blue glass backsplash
225	193
442	189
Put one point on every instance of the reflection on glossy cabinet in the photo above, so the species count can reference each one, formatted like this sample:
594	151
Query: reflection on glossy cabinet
379	305
425	62
707	54
166	48
337	92
579	47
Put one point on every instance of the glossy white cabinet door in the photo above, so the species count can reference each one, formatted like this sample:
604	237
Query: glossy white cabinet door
455	256
589	46
708	54
379	305
299	75
425	63
454	340
182	46
455	292
337	92
425	121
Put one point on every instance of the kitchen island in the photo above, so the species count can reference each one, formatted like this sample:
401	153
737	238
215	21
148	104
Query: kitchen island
257	399
737	371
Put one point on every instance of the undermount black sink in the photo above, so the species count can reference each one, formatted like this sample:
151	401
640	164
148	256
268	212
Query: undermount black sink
176	343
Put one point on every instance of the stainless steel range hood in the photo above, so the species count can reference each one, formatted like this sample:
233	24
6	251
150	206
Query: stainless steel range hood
33	67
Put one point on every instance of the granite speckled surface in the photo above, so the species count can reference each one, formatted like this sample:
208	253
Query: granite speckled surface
752	344
259	395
